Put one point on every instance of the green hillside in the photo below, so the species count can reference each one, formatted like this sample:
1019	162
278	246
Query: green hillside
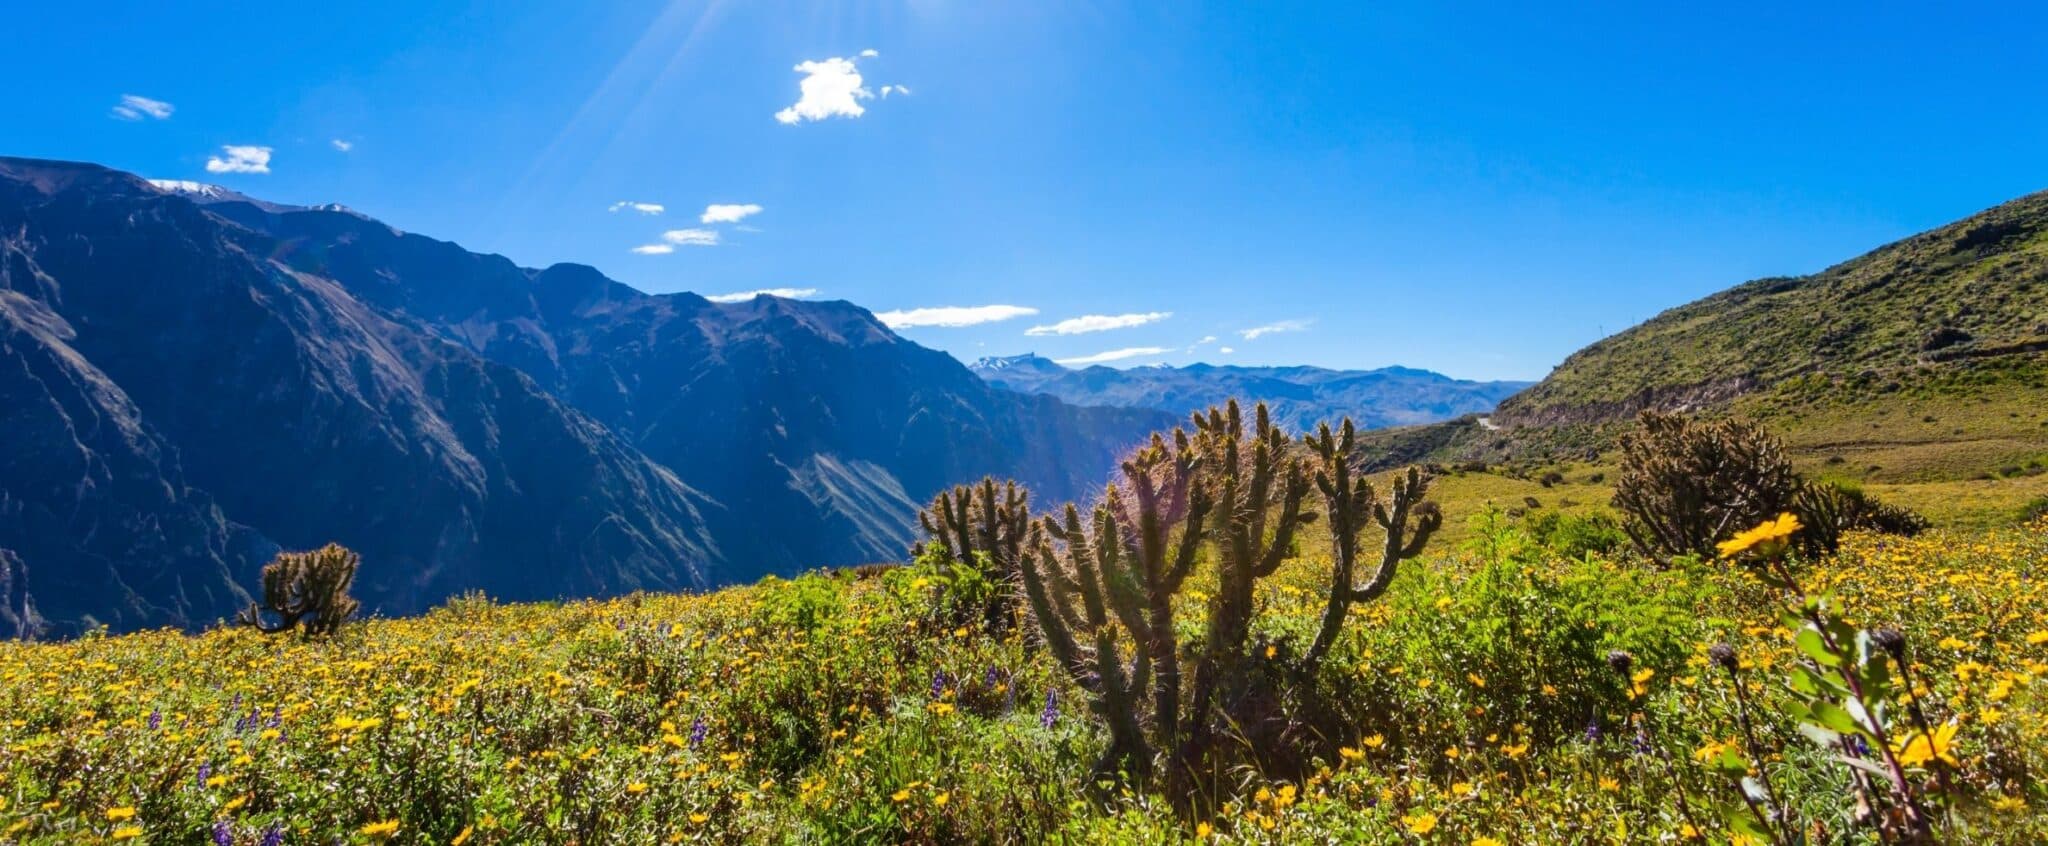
1971	291
1919	369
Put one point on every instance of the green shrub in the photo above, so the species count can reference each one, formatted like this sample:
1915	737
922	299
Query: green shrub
1831	509
1575	537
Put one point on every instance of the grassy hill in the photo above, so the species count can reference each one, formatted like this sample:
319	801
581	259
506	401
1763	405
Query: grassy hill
1919	369
1975	289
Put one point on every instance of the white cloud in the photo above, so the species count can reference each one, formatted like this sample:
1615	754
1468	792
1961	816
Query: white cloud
241	159
1225	350
1274	328
1114	355
691	237
343	146
743	296
895	89
136	107
643	208
1098	323
830	88
654	249
728	212
1206	339
952	316
870	53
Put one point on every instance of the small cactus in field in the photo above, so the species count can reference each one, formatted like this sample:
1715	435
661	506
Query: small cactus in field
1686	484
308	590
986	525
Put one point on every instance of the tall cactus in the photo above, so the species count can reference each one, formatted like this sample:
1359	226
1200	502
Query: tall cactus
1101	585
986	525
1352	503
1259	484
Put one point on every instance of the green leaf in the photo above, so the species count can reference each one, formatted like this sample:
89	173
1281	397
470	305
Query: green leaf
1835	718
1809	641
1819	735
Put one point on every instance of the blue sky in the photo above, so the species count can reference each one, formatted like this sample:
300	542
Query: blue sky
1479	190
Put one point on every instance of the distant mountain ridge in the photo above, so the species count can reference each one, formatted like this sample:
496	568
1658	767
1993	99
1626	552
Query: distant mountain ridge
191	379
1299	397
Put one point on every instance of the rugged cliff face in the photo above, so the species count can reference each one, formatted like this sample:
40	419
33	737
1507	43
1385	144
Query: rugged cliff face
192	379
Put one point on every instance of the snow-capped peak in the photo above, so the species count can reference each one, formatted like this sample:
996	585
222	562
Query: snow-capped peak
187	186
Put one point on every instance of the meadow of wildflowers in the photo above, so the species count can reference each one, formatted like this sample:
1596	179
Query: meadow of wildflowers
1501	692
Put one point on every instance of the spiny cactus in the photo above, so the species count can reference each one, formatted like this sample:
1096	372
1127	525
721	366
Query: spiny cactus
1125	565
1687	484
1351	503
308	590
986	525
1101	587
1259	484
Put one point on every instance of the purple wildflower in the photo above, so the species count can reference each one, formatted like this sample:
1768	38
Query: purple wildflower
939	679
205	772
1593	730
156	719
989	679
273	836
1052	709
223	834
698	729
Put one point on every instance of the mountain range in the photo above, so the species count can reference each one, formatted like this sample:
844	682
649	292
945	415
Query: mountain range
192	379
1299	397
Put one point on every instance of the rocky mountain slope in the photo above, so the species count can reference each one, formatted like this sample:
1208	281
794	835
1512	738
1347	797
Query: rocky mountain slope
1300	397
190	380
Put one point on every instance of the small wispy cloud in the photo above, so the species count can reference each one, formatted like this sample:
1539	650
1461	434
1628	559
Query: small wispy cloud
1098	323
743	296
895	89
952	316
1206	339
343	146
643	208
654	249
240	158
137	107
870	53
830	88
1115	355
1274	328
1225	350
728	212
691	237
